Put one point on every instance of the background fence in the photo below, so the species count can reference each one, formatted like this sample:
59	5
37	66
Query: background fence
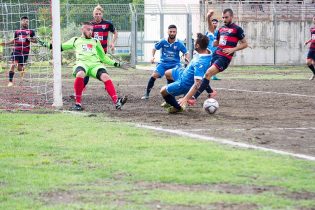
275	31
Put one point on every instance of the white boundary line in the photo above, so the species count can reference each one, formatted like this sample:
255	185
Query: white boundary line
227	142
265	92
251	129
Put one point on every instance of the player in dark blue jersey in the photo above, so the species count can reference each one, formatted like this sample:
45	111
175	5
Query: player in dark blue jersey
188	78
310	60
170	49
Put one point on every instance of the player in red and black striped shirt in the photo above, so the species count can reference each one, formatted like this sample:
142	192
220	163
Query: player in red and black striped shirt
22	40
227	41
310	60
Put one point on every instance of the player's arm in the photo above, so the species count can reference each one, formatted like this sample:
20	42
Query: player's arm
68	45
33	38
242	43
157	46
308	41
6	43
103	57
153	54
193	90
115	37
209	19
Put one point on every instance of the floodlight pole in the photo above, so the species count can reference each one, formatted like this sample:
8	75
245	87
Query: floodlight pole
56	43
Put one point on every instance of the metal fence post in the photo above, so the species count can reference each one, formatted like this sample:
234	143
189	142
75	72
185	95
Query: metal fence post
189	34
133	34
274	34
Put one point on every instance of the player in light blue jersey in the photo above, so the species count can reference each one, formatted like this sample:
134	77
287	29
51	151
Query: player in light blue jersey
188	78
170	49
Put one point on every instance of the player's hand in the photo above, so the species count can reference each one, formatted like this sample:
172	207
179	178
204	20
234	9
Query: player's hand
152	60
123	65
182	102
228	51
305	43
210	13
112	47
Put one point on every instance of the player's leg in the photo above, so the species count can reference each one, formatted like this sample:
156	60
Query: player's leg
169	92
101	74
158	73
14	63
310	62
21	66
79	73
168	76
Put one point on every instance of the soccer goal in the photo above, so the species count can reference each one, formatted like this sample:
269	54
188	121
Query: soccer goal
37	78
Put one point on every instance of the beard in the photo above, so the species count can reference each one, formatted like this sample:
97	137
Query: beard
171	36
87	36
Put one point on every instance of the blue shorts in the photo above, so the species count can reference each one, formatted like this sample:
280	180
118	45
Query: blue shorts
177	88
311	55
161	68
177	72
221	62
20	58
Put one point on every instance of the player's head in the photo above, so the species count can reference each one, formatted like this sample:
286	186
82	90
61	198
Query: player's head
172	31
227	16
215	23
87	30
24	22
201	42
98	13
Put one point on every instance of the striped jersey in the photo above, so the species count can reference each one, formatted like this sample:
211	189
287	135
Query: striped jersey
22	41
101	30
312	46
228	37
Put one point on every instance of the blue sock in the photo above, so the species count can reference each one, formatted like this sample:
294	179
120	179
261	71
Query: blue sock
204	84
150	85
171	100
11	75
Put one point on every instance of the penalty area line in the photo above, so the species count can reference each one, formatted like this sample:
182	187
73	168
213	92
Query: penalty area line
227	142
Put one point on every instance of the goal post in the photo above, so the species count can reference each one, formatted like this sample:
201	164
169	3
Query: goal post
56	43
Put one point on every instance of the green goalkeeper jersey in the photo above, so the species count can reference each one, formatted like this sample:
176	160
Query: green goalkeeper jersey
88	51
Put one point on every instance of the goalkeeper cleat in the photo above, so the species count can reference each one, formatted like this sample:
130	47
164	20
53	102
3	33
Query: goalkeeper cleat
173	110
76	107
145	97
120	102
312	77
10	84
213	94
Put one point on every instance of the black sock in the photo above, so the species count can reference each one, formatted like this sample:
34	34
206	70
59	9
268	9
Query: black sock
11	75
169	81
209	89
172	101
86	80
150	84
203	86
312	68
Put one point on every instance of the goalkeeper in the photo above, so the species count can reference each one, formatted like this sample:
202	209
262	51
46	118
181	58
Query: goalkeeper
90	60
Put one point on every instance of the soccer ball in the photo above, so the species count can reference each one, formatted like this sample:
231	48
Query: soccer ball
211	105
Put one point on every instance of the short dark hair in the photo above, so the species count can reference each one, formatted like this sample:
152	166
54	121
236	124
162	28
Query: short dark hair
202	40
24	18
229	11
215	20
172	26
87	23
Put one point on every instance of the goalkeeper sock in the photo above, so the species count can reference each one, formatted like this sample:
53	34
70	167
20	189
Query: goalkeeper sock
11	75
110	88
78	89
312	68
204	84
172	101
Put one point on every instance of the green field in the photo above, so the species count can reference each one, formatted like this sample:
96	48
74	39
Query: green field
64	161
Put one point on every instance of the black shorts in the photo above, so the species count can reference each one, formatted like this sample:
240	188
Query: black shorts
311	55
20	58
221	62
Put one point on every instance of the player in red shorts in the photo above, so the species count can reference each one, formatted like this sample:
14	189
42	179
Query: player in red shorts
22	41
227	41
310	60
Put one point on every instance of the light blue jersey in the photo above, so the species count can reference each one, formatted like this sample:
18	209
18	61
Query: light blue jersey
212	37
185	78
170	52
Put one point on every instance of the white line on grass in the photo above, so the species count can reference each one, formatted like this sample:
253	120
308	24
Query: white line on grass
265	92
251	129
227	142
